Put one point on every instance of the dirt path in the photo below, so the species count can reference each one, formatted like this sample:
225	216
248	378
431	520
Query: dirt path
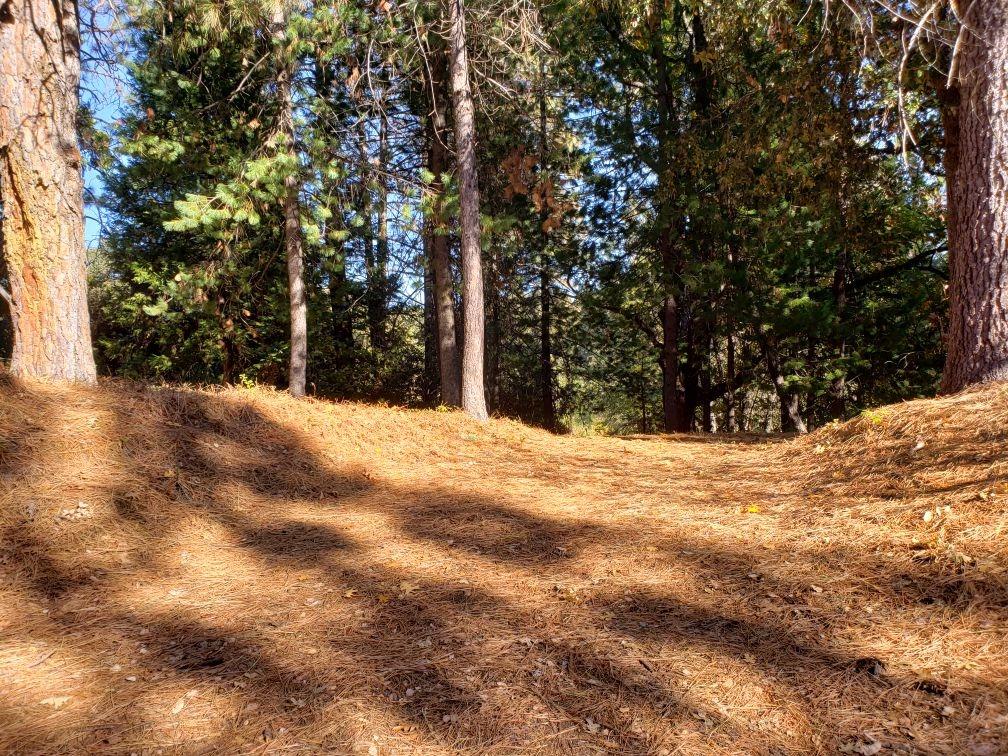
239	572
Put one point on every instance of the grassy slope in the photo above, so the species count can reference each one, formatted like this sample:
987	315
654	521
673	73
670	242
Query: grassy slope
238	571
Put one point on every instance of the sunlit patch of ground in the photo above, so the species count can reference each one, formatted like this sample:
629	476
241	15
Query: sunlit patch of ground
236	571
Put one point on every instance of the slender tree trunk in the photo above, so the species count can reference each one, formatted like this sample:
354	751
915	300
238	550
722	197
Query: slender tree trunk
673	399
293	245
430	328
731	399
838	386
709	423
378	282
976	162
473	399
41	191
365	208
548	407
440	257
494	330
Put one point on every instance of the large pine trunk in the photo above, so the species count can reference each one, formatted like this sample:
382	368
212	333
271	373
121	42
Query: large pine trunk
473	398
41	191
293	245
439	255
675	415
976	163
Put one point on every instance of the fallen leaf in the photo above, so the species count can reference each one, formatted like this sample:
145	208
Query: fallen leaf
180	704
55	701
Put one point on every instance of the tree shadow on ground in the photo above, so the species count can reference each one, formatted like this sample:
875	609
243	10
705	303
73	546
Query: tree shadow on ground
278	599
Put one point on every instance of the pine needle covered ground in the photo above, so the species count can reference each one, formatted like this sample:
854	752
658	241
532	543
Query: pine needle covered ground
237	571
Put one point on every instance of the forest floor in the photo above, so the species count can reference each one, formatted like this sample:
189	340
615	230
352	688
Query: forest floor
227	571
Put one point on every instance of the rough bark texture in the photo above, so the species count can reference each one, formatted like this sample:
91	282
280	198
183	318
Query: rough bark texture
41	191
440	258
473	399
293	245
976	162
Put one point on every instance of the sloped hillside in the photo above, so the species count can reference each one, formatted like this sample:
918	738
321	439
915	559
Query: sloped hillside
236	571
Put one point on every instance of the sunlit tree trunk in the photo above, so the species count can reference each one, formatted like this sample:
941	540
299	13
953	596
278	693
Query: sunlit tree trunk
293	244
41	191
473	399
976	163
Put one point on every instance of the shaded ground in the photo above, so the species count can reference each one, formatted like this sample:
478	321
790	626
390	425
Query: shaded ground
235	571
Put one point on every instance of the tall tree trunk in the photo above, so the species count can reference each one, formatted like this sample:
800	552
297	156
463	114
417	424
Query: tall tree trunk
838	385
673	398
41	189
731	398
430	329
494	330
365	208
439	255
378	283
709	423
473	400
293	245
674	412
976	166
548	402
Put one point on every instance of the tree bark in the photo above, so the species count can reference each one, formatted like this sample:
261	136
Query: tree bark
493	330
430	328
439	255
838	386
41	190
975	116
378	281
548	406
675	416
731	398
293	244
473	398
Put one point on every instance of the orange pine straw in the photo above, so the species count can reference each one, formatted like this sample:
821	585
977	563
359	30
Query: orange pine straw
237	571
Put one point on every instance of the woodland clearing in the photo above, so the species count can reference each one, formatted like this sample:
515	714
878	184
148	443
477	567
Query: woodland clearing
234	570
